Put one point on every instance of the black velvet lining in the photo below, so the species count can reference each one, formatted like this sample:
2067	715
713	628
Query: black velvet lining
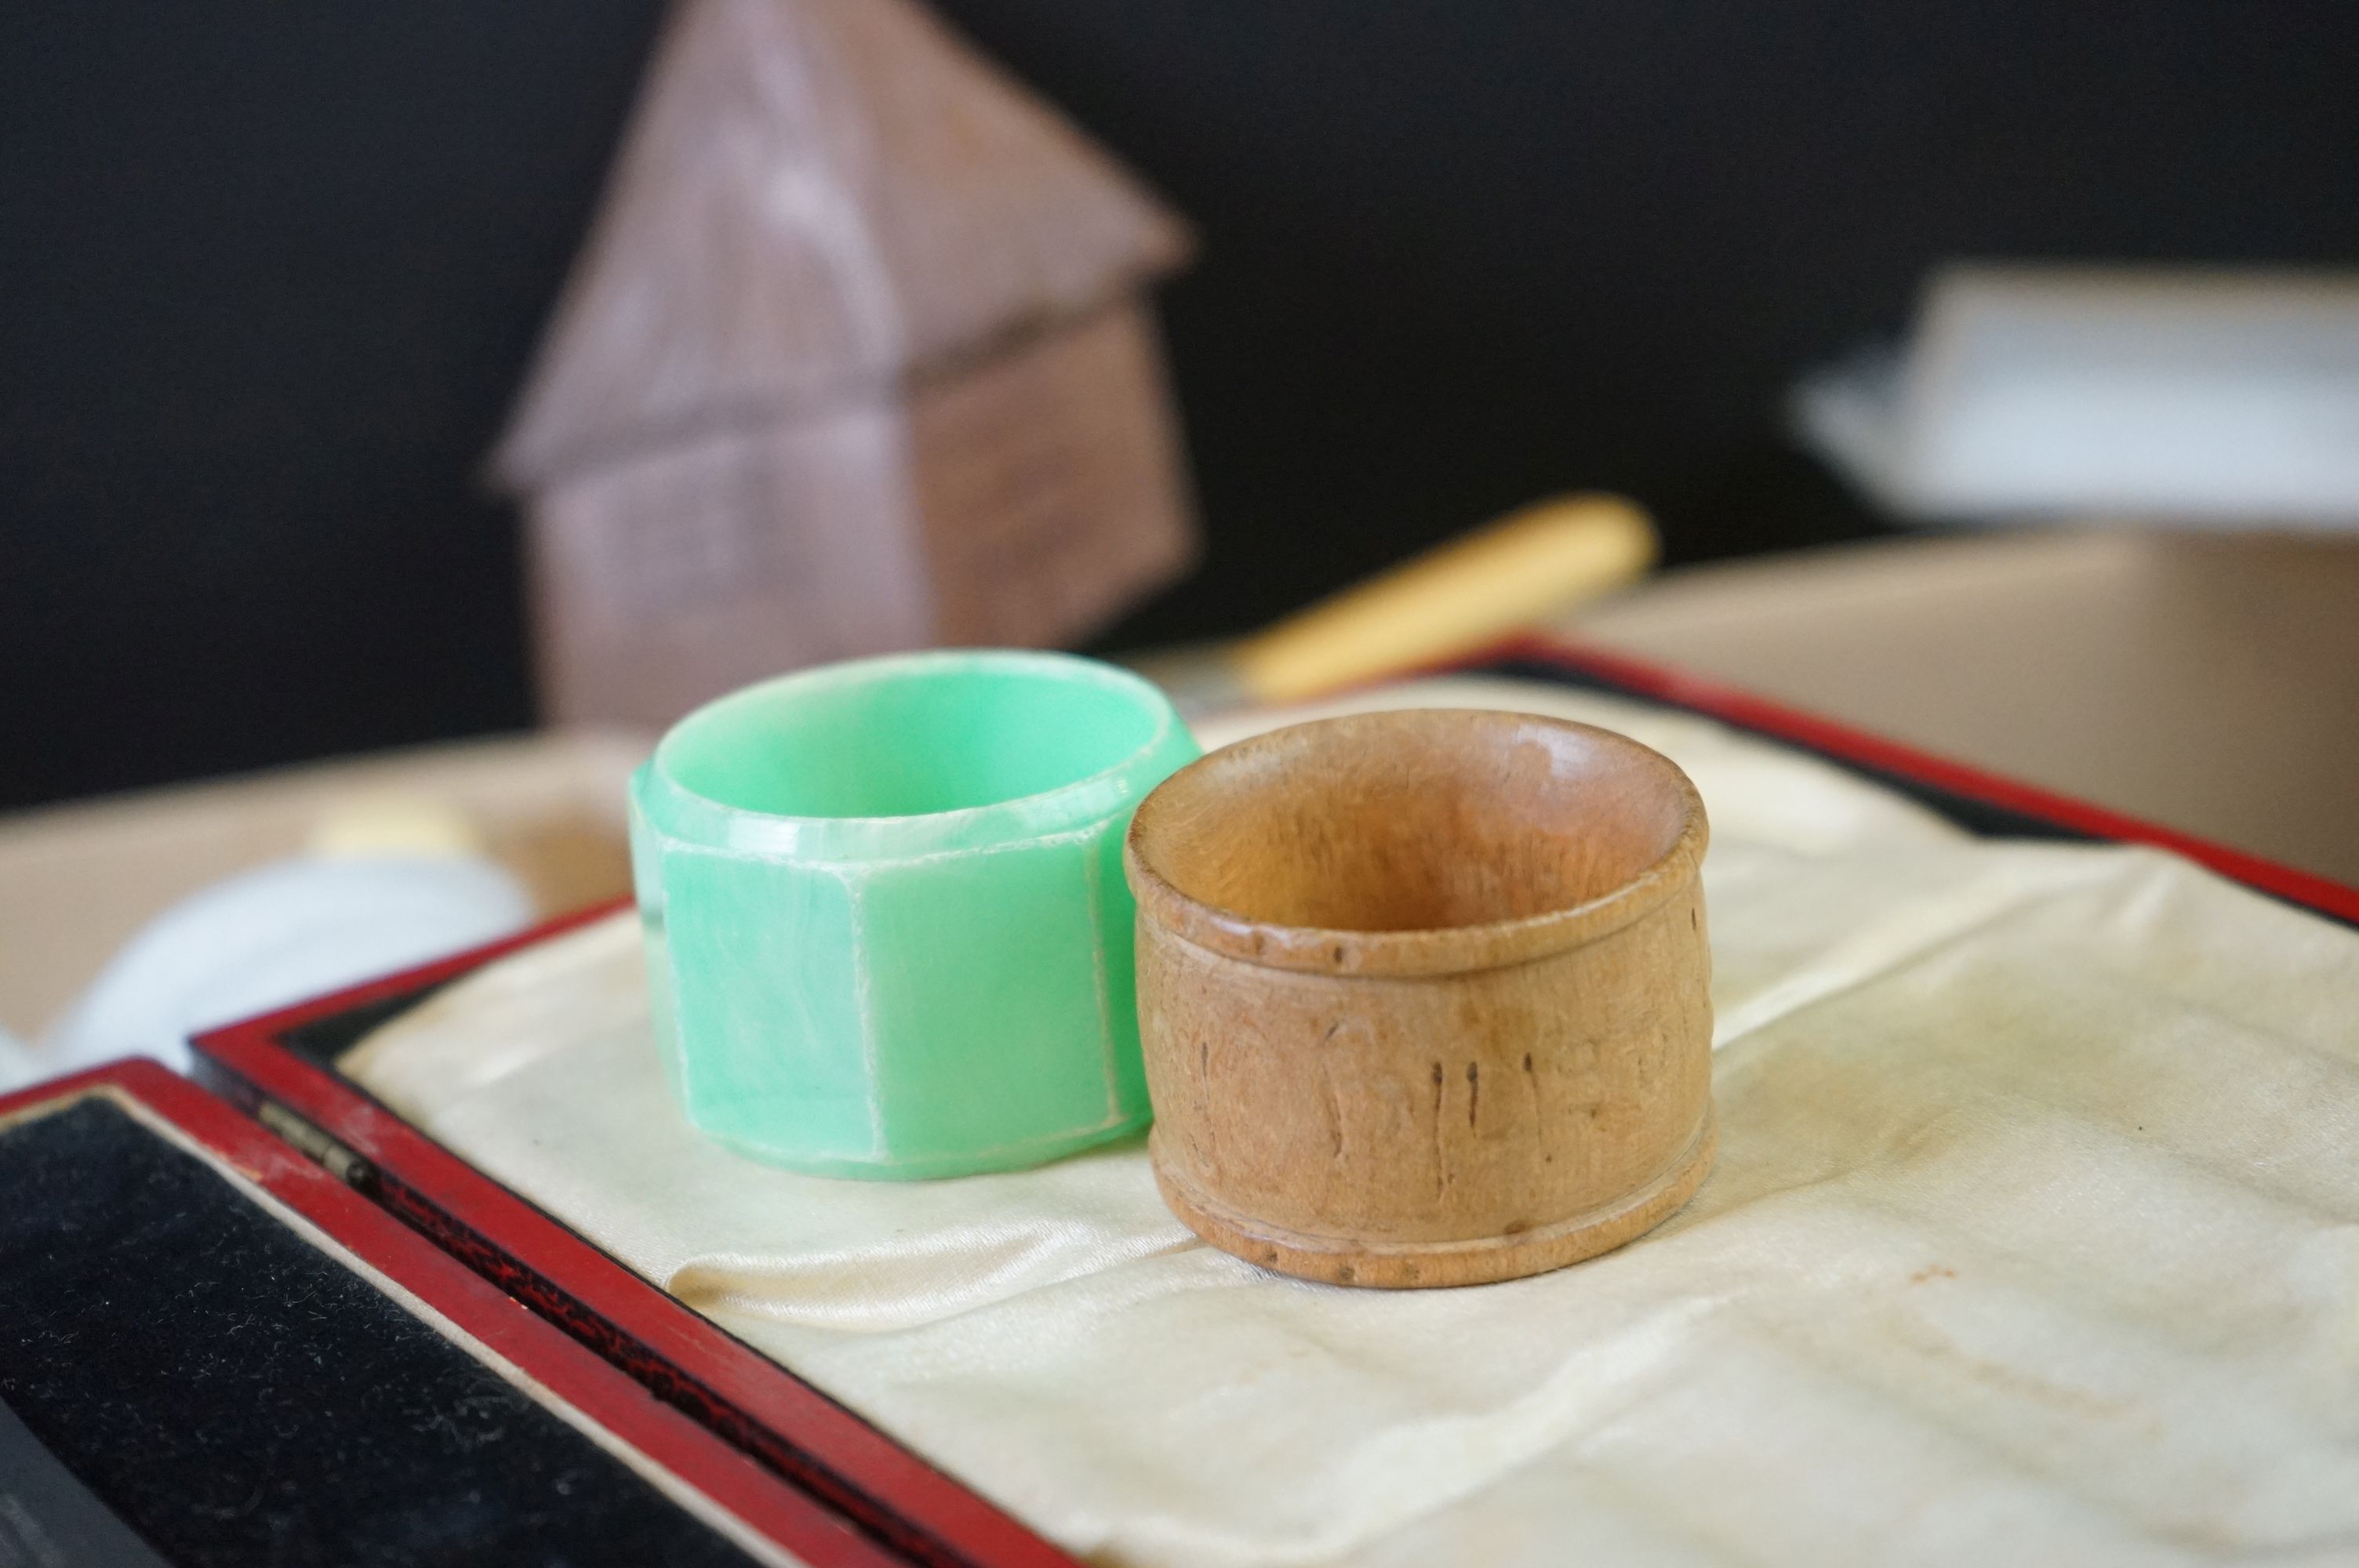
324	1038
237	1396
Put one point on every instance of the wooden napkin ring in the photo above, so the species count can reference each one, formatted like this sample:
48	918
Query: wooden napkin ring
1424	995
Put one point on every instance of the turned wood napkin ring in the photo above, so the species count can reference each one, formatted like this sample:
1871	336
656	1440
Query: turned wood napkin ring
1424	995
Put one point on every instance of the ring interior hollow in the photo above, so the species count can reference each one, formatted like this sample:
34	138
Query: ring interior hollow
1419	820
904	739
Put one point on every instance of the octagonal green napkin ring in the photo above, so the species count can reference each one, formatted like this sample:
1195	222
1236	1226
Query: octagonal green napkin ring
887	930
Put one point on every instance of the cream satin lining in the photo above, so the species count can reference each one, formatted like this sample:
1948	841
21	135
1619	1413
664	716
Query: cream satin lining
2034	1238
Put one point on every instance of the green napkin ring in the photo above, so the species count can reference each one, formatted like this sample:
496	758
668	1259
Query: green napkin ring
887	930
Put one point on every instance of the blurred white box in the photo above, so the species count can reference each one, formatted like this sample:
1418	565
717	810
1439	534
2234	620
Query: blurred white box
2172	396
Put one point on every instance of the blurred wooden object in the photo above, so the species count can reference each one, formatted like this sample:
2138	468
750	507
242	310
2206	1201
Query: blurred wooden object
77	880
858	358
1533	564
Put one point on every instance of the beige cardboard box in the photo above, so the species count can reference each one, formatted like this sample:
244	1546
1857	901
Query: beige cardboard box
2209	683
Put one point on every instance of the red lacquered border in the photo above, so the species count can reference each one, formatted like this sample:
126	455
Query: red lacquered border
770	1507
680	1357
1840	740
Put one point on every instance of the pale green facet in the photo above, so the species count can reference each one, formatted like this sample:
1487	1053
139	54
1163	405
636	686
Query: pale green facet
887	924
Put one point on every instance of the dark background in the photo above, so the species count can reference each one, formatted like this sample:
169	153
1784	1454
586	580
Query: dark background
269	273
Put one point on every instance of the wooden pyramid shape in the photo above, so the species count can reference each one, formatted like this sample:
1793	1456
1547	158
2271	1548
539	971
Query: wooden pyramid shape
815	200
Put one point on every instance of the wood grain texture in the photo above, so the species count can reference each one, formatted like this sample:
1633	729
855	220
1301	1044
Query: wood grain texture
1021	501
1424	995
1050	489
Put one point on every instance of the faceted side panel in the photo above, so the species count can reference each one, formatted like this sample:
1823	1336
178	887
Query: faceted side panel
1117	937
647	882
764	987
987	991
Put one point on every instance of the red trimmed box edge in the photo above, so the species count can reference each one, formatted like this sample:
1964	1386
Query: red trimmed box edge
1831	737
791	1428
699	1458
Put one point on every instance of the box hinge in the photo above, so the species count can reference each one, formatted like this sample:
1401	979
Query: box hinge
342	1162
